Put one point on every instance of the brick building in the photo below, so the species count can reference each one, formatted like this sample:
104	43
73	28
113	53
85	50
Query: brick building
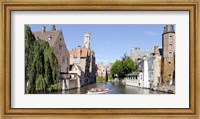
56	41
168	58
85	58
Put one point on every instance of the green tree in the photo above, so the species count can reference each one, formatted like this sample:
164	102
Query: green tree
117	70
41	64
128	65
106	76
41	84
121	68
29	45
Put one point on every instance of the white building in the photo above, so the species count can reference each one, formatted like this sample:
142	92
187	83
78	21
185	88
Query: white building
145	70
149	75
135	79
155	61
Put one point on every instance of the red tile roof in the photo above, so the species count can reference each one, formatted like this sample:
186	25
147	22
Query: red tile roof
84	52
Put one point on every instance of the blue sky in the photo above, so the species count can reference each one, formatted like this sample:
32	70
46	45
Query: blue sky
110	42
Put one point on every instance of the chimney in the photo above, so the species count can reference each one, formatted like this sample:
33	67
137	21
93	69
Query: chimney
156	51
53	27
43	29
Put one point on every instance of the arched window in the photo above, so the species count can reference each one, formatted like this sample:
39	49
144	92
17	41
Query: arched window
170	40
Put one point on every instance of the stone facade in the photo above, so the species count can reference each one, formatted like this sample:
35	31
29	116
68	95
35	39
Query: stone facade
158	67
136	54
168	60
76	73
56	41
101	69
135	79
155	61
85	58
93	69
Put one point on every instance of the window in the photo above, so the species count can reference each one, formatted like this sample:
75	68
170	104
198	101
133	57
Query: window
169	75
169	62
63	60
67	59
60	47
49	37
170	39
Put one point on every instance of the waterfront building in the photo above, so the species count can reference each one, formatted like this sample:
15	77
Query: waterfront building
77	74
158	68
135	79
93	69
56	41
168	58
85	58
136	54
101	69
145	70
154	63
140	78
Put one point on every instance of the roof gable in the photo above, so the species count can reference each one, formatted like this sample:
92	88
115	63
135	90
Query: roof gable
49	36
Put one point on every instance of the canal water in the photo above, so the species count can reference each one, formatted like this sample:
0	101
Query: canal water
115	87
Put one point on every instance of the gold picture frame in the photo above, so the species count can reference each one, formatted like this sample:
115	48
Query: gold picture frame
97	5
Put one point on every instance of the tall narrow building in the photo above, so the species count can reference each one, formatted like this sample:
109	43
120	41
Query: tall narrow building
84	57
168	60
87	40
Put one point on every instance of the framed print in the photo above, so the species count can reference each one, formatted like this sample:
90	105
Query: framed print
115	58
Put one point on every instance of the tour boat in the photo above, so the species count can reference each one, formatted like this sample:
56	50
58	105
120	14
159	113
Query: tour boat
98	91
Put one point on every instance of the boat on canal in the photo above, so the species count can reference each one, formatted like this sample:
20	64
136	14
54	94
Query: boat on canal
98	91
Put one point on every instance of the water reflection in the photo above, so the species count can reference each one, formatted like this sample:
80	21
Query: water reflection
115	87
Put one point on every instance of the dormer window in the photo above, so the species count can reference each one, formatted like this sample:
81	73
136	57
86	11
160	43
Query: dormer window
49	37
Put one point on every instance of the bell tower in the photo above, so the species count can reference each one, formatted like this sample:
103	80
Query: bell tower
87	40
168	60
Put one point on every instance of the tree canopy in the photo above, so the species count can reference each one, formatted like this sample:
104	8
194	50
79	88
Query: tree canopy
42	69
122	67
